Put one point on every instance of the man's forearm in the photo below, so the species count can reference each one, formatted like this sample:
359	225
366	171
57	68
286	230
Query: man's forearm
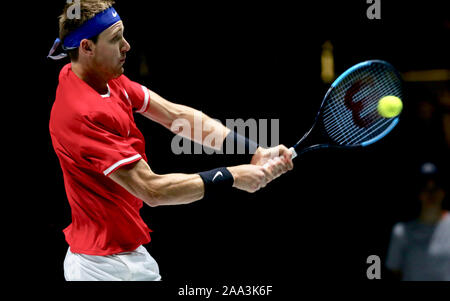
175	189
154	189
201	127
186	121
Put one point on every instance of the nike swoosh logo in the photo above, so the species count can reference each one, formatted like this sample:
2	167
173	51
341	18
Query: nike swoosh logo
114	14
219	173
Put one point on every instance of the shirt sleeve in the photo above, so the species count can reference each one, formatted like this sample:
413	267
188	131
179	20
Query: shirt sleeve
396	247
103	149
137	94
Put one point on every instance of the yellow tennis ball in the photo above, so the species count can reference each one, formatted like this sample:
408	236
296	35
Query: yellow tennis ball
389	106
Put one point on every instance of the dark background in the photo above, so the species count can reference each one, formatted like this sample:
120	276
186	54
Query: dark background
247	59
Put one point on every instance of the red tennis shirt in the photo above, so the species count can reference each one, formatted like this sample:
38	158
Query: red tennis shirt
94	135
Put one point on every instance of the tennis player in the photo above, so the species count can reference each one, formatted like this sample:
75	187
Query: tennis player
102	152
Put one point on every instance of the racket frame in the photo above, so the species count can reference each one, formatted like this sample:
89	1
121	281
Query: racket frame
295	149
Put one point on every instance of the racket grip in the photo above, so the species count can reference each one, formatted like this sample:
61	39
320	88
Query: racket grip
294	154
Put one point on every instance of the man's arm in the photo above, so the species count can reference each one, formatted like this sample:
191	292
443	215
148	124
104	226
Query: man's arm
178	188
165	113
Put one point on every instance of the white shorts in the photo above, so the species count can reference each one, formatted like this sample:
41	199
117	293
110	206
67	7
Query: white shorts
136	265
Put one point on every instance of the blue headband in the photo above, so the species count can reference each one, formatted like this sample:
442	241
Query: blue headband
89	29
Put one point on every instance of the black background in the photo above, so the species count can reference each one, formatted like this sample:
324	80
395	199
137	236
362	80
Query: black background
240	59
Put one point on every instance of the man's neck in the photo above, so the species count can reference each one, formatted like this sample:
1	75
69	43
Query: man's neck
431	215
91	78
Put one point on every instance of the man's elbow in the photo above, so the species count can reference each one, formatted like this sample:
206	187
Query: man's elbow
152	202
154	197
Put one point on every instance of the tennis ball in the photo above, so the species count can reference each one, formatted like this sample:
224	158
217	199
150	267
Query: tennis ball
389	106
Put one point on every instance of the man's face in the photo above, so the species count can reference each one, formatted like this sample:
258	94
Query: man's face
110	51
431	194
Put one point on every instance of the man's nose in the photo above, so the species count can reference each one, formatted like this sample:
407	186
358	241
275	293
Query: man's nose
126	46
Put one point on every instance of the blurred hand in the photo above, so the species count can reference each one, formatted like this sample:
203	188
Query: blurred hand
276	167
276	160
249	177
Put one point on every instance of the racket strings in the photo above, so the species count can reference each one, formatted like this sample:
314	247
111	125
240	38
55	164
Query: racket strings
378	126
350	112
368	115
363	97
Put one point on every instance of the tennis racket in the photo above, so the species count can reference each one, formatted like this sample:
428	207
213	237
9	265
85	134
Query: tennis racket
348	116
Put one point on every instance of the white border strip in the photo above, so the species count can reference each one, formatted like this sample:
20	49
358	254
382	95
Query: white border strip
118	163
108	94
147	96
128	98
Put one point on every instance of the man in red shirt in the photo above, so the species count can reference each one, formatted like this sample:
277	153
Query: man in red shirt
102	152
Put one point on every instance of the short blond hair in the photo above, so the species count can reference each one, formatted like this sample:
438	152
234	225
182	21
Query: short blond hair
88	9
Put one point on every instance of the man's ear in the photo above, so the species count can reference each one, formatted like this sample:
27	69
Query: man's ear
87	47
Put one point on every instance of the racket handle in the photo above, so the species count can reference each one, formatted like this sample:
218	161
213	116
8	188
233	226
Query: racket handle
294	154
